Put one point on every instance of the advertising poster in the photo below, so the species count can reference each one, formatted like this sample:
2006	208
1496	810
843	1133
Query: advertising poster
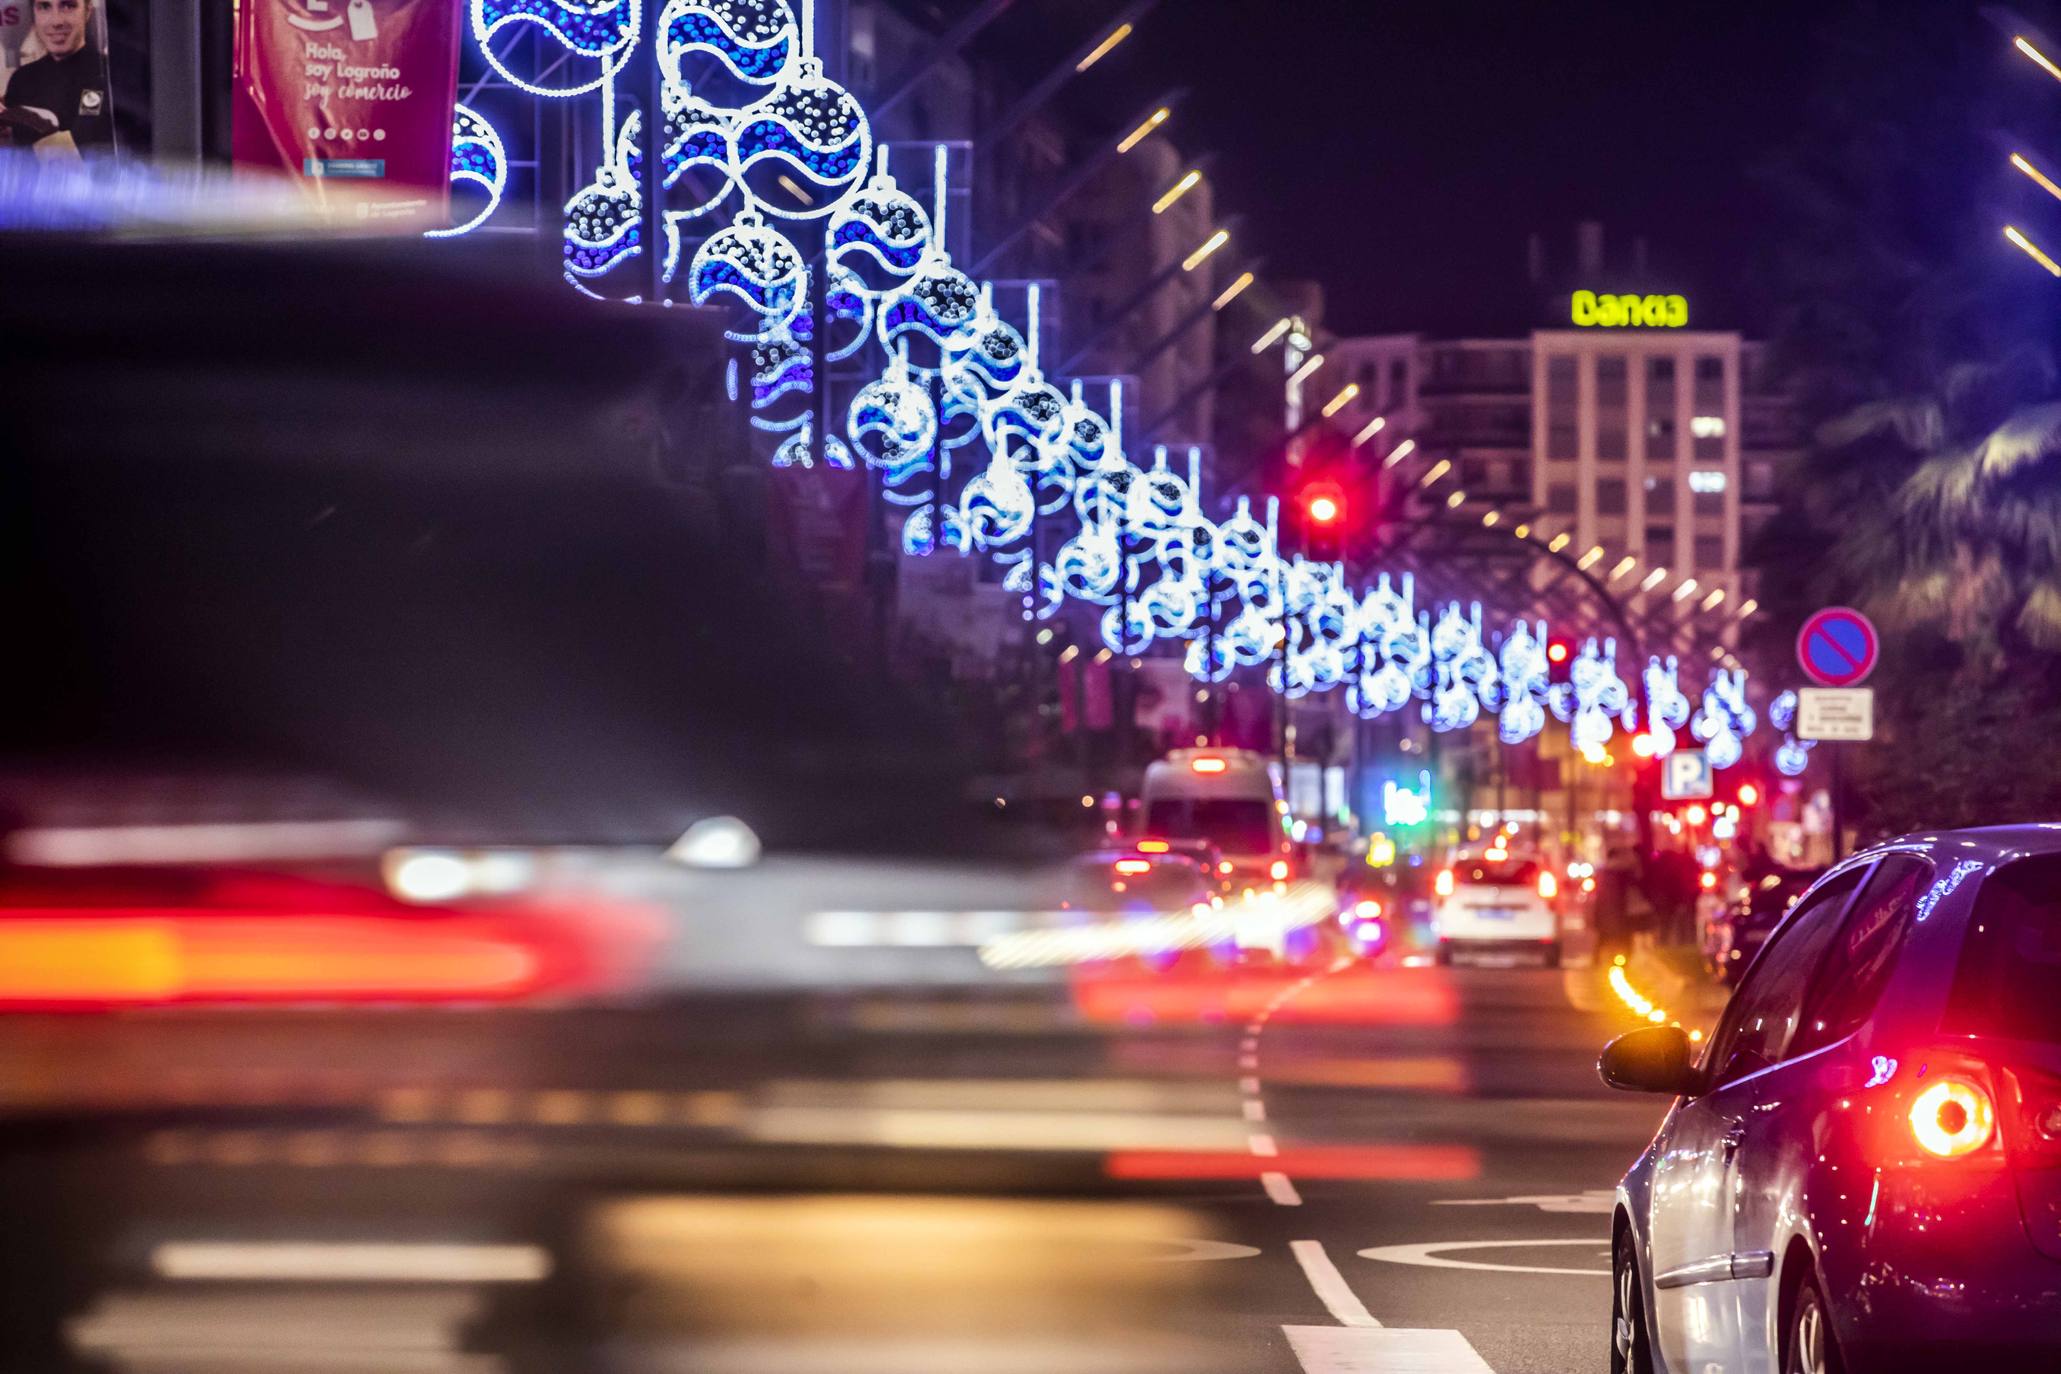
358	91
53	77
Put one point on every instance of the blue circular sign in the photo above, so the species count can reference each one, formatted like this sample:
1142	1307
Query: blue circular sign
1838	647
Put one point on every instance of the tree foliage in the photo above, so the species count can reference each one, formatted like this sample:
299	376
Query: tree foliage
1922	351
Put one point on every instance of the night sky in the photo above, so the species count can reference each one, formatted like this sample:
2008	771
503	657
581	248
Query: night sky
1400	153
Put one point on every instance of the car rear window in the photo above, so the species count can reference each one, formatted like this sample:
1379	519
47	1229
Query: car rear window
1497	872
1236	825
2010	968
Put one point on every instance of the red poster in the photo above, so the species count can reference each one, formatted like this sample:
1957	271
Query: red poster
359	91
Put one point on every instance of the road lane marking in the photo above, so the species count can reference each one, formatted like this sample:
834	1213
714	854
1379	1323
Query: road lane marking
1204	1251
1595	1201
325	1262
1263	1145
1280	1189
1248	1061
1336	1294
1255	1110
1249	1085
1432	1256
1249	1043
1338	1350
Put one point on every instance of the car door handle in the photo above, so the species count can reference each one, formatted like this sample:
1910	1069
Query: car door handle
1728	1144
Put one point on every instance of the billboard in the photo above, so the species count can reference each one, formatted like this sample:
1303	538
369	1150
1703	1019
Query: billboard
54	94
358	91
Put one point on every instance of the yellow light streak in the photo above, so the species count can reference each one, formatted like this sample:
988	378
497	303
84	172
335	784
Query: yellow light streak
1144	131
1175	192
1108	45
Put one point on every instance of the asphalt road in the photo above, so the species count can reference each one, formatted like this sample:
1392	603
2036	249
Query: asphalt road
1332	1171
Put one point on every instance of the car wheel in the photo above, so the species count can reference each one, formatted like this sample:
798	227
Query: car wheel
1811	1347
1631	1343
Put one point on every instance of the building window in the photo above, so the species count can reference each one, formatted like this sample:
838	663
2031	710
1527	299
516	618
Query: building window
1563	441
1610	381
1660	439
1473	474
1368	377
1398	380
1660	372
1560	382
1660	541
1660	496
1610	436
1710	386
1610	496
1710	502
1560	498
1710	552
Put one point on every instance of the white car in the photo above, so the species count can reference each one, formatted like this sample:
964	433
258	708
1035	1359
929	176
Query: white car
1496	903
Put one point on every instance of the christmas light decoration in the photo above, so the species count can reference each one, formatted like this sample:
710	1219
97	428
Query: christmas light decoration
477	158
597	38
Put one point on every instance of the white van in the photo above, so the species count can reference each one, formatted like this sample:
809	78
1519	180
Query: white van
1228	797
1497	902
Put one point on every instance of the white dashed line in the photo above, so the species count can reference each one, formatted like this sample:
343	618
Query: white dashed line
1280	1189
1255	1110
1249	1086
1336	1294
1248	1061
1263	1145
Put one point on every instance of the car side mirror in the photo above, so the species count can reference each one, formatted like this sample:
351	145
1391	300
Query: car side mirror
1655	1059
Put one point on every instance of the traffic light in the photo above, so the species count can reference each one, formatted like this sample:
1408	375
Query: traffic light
1749	795
1323	505
1559	658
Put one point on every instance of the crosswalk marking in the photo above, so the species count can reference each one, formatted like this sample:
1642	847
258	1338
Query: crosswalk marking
1348	1350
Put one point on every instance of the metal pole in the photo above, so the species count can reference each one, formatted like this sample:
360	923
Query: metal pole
175	81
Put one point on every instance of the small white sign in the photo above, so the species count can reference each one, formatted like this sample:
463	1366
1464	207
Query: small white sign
1835	713
1686	776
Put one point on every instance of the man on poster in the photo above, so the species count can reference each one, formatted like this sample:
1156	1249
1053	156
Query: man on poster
59	101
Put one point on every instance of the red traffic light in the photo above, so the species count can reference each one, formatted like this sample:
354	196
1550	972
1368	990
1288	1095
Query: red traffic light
1557	651
1749	795
1323	503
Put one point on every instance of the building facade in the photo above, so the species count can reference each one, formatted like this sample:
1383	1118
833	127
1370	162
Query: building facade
1638	459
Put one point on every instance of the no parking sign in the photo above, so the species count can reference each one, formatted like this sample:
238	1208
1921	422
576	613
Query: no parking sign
1838	647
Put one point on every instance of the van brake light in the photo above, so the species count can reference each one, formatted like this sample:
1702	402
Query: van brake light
1210	766
1443	884
1549	886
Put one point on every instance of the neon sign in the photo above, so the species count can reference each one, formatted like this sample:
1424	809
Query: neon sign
1593	311
1402	807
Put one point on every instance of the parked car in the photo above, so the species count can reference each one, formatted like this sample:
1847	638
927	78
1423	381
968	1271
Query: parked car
1735	933
1863	1171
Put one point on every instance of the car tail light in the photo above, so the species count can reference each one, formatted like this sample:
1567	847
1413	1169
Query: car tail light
1153	847
1224	867
1443	884
1367	910
152	959
1278	870
1132	868
1953	1117
1549	886
2032	1116
1207	765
